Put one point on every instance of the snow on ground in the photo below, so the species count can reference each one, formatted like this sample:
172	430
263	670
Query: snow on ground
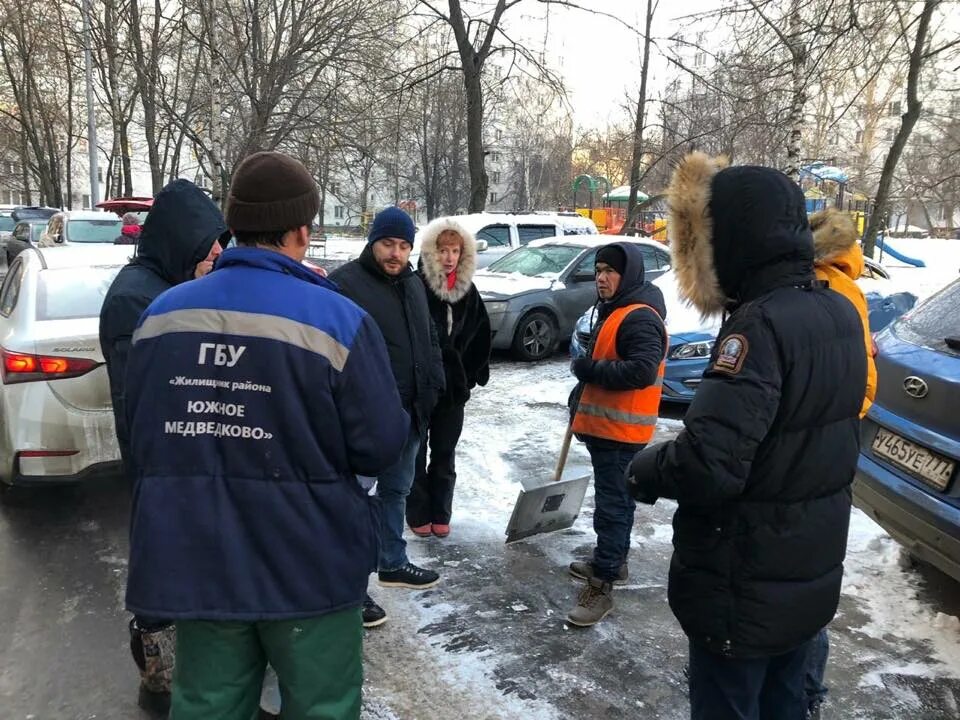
490	641
941	256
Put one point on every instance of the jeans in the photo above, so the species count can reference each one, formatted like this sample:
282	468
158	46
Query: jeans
393	486
815	668
613	510
724	688
431	498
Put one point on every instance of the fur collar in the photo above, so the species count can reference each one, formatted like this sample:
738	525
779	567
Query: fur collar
432	270
691	231
833	234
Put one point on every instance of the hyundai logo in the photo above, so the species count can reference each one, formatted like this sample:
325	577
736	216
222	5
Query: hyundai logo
915	387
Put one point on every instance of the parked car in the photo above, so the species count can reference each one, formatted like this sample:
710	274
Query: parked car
692	336
56	421
499	233
34	219
6	222
80	226
910	440
25	234
535	293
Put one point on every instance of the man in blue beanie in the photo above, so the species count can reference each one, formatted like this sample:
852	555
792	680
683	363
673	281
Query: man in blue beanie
383	283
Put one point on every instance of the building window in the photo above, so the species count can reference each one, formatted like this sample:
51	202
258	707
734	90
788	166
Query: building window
499	134
99	174
893	109
493	198
495	177
334	188
891	134
859	139
700	59
338	212
85	202
495	157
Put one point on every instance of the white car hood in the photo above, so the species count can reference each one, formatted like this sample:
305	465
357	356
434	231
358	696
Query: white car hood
498	285
682	317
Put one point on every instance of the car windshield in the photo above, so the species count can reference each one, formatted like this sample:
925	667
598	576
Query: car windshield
93	231
533	261
73	293
6	223
931	323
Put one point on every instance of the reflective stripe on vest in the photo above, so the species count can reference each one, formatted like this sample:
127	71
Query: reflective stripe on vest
627	416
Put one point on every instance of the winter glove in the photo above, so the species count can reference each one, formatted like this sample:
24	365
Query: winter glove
583	368
642	473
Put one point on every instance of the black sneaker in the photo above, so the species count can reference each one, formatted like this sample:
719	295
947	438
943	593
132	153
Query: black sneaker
373	614
409	576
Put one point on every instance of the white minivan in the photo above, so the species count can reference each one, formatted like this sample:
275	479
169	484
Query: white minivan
499	233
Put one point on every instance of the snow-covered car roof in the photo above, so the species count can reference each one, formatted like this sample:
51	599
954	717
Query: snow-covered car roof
87	215
66	256
593	241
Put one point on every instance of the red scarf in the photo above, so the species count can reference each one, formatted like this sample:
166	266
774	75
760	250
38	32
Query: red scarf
452	279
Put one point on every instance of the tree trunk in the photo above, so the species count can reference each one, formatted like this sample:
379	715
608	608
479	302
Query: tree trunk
907	121
633	208
479	181
147	71
798	55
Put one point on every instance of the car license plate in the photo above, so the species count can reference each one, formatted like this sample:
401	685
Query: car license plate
930	467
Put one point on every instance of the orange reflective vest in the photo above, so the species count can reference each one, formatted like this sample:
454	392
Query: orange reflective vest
627	416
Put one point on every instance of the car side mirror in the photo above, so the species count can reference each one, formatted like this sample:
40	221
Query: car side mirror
482	245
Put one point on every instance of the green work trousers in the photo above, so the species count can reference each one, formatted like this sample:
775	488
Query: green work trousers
220	666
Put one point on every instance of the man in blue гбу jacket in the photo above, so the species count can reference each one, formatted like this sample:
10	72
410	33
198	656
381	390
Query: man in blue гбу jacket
250	412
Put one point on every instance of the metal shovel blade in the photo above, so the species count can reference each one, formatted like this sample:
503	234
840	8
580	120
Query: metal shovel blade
554	505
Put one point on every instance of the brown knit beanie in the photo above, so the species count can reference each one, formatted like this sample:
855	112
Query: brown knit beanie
271	192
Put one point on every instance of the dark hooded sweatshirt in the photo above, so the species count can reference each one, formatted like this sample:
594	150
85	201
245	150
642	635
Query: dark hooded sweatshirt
178	233
641	339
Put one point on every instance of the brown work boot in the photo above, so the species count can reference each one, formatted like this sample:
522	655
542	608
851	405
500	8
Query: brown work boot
583	570
593	605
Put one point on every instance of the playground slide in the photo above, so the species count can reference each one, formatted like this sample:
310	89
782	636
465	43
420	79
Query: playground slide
885	248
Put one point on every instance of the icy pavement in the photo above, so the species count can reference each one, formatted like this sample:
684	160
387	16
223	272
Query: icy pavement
490	640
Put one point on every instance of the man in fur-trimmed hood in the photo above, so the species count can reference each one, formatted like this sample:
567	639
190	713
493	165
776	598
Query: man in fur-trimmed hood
448	260
761	471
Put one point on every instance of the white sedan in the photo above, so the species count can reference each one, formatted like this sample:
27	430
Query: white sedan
56	419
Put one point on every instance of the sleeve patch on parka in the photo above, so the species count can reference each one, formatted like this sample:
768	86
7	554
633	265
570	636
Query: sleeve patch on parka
732	354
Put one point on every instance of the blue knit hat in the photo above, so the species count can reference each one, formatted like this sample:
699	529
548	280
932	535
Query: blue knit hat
392	222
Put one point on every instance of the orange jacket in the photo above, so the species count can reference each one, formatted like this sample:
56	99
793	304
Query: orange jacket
626	416
839	261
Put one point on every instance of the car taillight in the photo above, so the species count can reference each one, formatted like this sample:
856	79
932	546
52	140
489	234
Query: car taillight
24	367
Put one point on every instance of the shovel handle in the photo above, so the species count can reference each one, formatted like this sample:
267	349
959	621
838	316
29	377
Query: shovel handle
564	449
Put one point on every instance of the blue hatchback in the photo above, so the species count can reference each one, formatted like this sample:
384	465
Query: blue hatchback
910	440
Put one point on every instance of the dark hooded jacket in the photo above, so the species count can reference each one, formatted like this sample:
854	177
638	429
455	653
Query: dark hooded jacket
641	339
463	328
762	470
398	304
178	233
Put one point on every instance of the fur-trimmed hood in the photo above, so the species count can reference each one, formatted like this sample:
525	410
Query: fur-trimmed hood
836	243
691	230
430	267
736	232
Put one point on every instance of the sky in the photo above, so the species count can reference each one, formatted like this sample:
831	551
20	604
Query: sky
600	59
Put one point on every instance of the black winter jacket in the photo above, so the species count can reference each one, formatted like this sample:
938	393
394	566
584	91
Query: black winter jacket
641	339
178	233
763	467
459	315
399	307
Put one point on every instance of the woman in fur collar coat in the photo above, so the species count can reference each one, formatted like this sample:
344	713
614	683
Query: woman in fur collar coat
448	259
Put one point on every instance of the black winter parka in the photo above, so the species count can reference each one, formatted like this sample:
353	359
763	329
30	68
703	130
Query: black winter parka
398	304
762	469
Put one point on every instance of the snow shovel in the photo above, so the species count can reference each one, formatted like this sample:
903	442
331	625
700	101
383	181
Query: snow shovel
554	505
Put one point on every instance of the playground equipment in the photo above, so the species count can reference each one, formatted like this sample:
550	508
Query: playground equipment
886	248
